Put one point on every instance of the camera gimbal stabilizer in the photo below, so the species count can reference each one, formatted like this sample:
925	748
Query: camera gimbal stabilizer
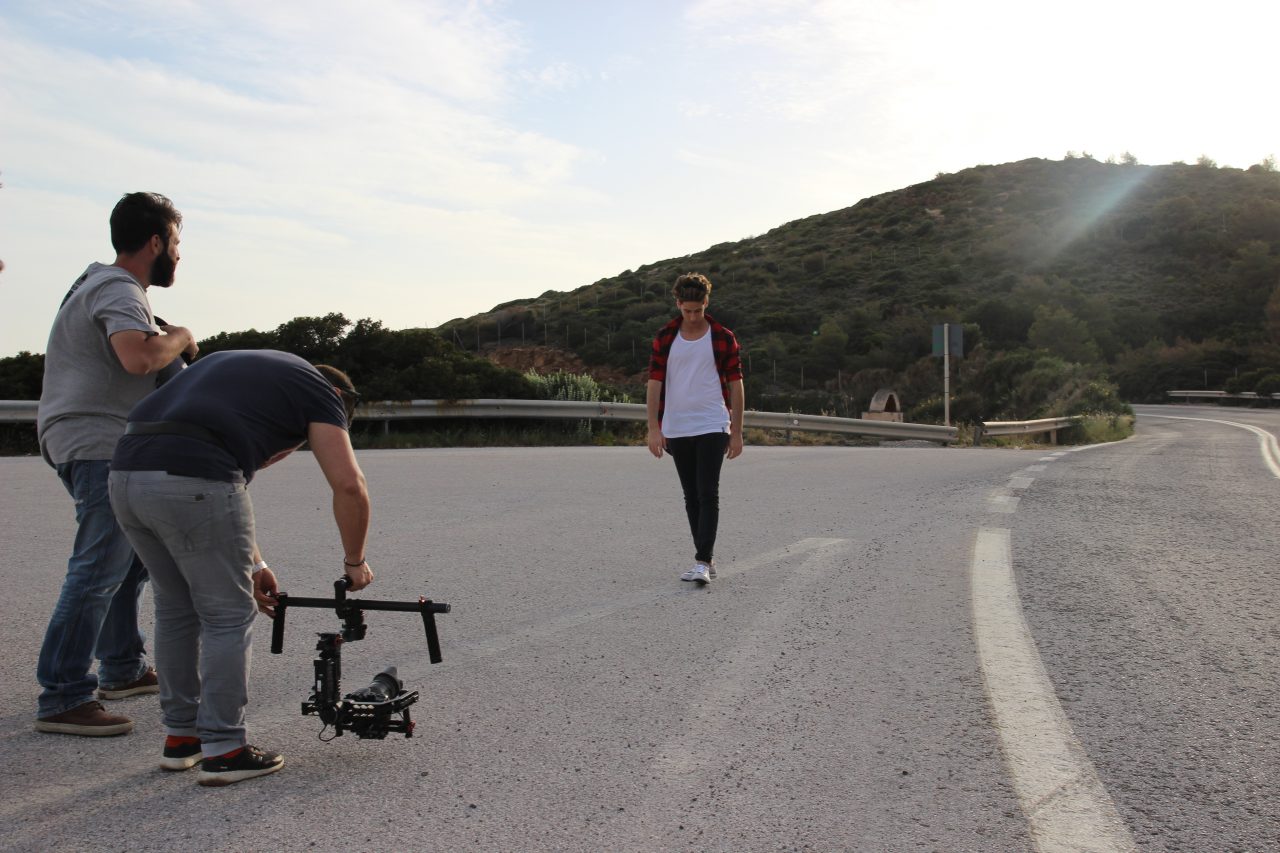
366	712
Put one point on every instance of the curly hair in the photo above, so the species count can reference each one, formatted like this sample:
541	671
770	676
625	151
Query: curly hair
691	287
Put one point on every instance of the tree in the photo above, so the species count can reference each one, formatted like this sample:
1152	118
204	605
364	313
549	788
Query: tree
1058	331
21	376
827	348
1004	324
1272	313
1254	275
313	338
251	339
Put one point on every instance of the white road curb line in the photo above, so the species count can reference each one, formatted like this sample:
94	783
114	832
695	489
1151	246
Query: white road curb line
1064	802
1268	445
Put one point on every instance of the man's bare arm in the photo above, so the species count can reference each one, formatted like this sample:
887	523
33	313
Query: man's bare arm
141	353
332	448
652	397
737	403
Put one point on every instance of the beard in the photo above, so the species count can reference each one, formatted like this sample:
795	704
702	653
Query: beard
162	270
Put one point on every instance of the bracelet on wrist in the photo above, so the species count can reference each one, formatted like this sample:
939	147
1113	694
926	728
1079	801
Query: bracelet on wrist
353	565
259	566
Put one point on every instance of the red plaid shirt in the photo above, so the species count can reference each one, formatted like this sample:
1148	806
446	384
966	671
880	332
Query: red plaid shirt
724	346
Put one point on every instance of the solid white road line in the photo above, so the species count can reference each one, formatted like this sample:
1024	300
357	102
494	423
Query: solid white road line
1064	802
1268	445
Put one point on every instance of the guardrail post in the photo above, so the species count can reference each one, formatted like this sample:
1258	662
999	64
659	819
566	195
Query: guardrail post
977	434
1053	437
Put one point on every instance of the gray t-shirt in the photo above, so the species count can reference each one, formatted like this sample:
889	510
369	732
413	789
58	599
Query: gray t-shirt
87	392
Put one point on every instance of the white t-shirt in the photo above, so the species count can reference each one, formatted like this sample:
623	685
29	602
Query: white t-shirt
694	399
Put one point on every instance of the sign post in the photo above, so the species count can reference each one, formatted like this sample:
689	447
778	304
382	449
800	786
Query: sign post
948	340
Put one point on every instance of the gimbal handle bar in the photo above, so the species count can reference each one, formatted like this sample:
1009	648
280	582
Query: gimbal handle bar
350	611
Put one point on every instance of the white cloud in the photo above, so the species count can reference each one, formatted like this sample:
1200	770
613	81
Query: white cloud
415	160
297	138
556	77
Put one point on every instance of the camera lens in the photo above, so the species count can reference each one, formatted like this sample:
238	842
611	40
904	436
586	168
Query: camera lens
385	686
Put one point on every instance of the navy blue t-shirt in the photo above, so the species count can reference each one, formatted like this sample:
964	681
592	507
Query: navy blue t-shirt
257	403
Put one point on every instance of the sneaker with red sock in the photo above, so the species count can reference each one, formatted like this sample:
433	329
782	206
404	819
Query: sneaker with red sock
180	753
238	765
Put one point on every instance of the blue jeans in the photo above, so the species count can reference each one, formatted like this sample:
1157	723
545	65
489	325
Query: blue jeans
97	612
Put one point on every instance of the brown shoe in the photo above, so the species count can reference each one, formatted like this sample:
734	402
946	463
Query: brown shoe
145	683
89	720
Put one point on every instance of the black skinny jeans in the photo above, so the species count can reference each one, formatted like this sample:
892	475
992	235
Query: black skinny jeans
698	460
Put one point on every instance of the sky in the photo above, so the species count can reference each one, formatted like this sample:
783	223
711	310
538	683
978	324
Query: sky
412	161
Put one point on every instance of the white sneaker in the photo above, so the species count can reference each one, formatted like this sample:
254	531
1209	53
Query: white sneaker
701	574
691	574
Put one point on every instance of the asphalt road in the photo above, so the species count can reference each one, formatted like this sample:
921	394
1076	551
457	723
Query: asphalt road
836	688
1150	576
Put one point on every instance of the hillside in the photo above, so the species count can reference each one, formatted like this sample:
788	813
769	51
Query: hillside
1149	277
1078	285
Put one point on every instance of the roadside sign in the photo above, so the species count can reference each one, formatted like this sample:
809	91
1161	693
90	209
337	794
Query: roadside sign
953	334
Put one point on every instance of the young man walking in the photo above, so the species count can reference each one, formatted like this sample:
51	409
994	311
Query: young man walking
695	403
103	356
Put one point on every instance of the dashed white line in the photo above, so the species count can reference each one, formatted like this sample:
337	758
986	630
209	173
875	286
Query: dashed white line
1065	803
1002	503
1021	482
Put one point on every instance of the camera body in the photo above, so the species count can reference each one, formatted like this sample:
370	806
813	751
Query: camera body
369	712
383	706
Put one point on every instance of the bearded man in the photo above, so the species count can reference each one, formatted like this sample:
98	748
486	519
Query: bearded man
104	354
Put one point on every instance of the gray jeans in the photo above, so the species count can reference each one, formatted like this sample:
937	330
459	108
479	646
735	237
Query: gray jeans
196	539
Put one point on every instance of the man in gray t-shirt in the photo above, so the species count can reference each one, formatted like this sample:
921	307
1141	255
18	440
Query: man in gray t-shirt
104	353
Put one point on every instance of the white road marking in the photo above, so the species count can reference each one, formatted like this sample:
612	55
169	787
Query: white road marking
1036	467
999	502
1268	445
1065	803
693	748
1021	482
557	623
1083	447
1048	458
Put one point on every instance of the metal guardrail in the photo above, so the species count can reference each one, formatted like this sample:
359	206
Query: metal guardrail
24	411
392	410
18	411
1049	425
1219	395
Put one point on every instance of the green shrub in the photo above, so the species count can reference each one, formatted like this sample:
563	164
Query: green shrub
575	387
1268	385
